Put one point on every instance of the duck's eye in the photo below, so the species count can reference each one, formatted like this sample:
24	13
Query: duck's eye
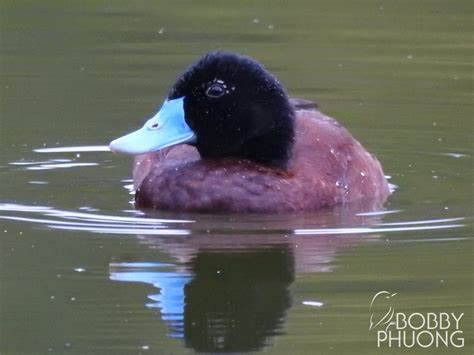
215	91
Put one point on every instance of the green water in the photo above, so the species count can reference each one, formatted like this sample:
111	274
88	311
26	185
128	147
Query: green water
82	272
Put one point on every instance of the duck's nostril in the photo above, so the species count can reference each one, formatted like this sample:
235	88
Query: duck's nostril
155	125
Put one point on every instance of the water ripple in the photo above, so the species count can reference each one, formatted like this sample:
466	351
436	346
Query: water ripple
52	164
82	216
77	149
141	224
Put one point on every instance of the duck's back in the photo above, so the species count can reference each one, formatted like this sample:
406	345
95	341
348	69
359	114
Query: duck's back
328	167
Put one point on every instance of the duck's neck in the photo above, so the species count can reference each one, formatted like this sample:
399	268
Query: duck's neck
269	142
273	149
272	146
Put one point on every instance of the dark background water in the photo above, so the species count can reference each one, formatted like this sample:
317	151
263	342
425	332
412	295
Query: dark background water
82	272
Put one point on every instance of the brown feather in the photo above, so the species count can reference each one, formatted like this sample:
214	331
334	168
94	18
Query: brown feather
328	167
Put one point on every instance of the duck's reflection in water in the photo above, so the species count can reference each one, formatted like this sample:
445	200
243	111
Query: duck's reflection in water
222	300
229	292
237	300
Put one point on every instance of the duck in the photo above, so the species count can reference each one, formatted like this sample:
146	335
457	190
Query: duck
229	139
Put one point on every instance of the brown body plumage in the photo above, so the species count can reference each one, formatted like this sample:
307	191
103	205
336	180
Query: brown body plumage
327	167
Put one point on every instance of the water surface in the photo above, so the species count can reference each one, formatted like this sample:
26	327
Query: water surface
83	272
